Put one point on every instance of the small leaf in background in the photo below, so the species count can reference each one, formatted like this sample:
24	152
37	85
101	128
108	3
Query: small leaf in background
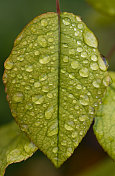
104	6
104	126
55	79
14	146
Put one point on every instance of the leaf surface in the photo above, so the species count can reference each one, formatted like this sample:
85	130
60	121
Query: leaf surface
55	79
14	146
104	126
104	6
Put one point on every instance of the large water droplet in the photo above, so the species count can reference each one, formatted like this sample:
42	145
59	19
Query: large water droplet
74	64
18	97
84	72
49	113
94	66
102	65
8	65
44	60
38	99
89	38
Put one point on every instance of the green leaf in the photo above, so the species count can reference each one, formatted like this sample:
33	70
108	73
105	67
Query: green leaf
14	146
104	126
55	79
104	6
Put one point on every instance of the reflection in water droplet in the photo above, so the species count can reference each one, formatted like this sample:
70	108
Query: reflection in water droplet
18	97
84	72
94	66
44	60
8	65
49	113
74	64
38	99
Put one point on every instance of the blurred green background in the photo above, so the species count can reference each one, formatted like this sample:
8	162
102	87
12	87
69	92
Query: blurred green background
89	156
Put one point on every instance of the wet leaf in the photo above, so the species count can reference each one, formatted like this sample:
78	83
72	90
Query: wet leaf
54	81
104	6
104	126
14	146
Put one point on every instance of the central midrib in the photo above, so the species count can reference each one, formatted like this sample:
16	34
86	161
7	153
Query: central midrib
58	96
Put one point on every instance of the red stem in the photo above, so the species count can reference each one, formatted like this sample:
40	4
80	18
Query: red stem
58	7
111	52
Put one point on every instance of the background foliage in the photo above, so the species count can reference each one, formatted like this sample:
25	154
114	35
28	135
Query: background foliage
14	15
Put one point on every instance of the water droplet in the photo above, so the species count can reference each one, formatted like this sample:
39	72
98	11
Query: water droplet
71	51
37	123
64	143
105	61
74	64
38	99
42	41
53	130
106	81
45	89
83	118
84	54
78	18
74	134
77	33
80	26
84	100
65	58
55	149
44	60
14	155
37	84
36	53
50	40
66	21
102	65
44	22
84	72
94	57
18	97
49	113
94	66
79	49
68	127
97	83
29	106
91	110
71	76
69	151
8	65
29	68
50	95
79	86
81	133
76	107
71	96
90	39
79	42
43	77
